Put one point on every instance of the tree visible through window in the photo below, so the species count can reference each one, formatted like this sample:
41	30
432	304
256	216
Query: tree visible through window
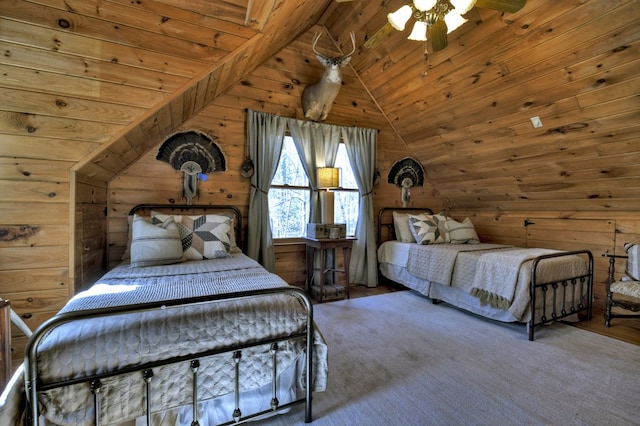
289	194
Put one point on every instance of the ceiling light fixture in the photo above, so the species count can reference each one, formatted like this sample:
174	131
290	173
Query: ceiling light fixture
434	19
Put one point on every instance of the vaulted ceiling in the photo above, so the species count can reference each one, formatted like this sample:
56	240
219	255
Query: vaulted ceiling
100	82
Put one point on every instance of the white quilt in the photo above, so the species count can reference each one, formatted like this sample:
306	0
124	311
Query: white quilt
113	343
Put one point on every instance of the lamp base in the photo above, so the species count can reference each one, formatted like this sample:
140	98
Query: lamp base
327	202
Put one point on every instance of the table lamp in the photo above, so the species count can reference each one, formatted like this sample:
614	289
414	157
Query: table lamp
328	178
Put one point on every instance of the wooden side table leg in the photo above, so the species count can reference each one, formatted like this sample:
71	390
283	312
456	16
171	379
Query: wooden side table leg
308	282
323	260
346	254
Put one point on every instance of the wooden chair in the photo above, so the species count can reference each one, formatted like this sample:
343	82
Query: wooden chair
625	292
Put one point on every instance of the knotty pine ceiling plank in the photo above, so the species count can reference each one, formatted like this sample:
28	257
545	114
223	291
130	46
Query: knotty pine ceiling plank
220	22
101	50
42	147
73	65
258	12
66	106
98	29
125	14
231	12
65	85
33	169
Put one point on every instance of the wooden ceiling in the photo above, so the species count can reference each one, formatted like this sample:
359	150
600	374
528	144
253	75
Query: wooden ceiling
97	83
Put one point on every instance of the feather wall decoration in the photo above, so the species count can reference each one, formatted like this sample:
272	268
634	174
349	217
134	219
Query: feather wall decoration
195	154
192	146
406	168
405	174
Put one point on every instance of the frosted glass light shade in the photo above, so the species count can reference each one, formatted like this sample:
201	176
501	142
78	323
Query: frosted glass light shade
453	20
463	6
328	177
424	5
419	32
399	18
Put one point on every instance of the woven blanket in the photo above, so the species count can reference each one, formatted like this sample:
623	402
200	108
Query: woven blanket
436	262
497	275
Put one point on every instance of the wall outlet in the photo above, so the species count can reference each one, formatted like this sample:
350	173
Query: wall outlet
536	122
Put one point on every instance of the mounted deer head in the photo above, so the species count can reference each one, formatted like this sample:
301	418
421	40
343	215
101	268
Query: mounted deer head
318	98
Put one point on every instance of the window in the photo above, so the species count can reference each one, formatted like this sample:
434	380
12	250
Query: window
347	198
289	194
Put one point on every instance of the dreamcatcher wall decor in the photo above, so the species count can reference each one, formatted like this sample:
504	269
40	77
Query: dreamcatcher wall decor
405	174
195	154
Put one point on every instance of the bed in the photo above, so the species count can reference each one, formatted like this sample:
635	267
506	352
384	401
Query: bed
210	338
444	260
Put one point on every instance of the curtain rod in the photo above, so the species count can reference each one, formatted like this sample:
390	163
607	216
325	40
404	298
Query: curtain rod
293	118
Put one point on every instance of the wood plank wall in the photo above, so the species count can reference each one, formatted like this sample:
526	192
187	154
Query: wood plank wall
274	87
38	149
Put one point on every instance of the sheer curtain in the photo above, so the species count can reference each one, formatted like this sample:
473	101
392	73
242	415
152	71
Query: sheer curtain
361	150
317	145
265	133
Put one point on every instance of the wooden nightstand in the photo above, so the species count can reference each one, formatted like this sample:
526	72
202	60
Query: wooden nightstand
320	291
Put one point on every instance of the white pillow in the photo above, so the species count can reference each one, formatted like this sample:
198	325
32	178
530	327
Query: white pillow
127	251
401	227
462	233
429	228
155	244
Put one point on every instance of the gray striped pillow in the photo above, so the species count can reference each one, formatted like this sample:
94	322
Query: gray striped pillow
155	244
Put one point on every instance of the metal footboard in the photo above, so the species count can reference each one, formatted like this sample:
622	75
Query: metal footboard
573	295
94	382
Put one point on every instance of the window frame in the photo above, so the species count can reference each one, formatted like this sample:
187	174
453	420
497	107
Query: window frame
293	240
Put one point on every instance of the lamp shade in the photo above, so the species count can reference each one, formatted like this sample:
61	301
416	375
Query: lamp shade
453	20
328	177
424	5
399	18
463	6
419	32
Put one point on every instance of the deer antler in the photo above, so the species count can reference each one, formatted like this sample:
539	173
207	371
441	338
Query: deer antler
317	37
353	42
315	41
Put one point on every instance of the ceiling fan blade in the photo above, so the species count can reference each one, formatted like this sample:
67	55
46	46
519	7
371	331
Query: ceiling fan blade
511	6
438	35
375	39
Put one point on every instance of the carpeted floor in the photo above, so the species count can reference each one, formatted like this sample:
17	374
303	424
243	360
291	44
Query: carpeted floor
396	359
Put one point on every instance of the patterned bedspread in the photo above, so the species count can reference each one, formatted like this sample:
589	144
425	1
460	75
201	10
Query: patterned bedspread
113	343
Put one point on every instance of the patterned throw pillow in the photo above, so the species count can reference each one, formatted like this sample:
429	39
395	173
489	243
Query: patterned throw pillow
203	236
462	233
155	244
429	228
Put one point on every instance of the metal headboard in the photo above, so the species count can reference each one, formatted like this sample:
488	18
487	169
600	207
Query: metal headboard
384	212
184	208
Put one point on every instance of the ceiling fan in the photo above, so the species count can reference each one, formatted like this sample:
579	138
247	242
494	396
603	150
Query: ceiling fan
434	19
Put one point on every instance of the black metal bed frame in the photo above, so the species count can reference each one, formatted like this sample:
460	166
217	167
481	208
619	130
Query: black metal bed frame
567	292
34	385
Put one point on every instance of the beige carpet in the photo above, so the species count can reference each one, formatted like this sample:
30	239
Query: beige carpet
396	359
